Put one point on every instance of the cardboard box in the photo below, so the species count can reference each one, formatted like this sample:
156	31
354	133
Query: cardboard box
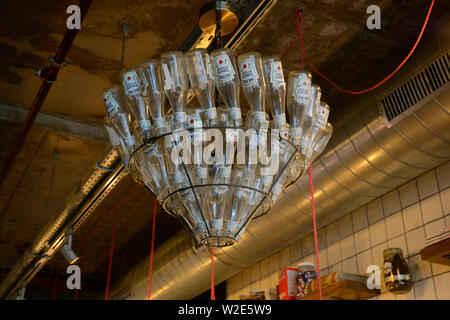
288	284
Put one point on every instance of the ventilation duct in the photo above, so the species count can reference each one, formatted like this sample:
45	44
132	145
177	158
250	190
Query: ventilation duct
364	160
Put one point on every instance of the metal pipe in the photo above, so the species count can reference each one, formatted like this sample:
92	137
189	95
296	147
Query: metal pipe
48	75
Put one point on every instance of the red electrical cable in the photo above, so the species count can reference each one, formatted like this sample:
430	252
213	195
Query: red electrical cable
213	292
152	249
298	15
316	242
311	182
111	253
55	284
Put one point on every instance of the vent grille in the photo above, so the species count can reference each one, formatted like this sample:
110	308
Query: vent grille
423	84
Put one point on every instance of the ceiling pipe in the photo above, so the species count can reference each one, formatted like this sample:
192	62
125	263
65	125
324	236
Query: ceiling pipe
364	160
48	76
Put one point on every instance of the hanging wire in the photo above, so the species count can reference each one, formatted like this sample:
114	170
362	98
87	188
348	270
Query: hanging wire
213	292
298	21
218	31
152	250
52	177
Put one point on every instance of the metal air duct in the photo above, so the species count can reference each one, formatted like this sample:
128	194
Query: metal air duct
367	157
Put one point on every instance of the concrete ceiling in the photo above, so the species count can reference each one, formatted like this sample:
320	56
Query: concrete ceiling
335	37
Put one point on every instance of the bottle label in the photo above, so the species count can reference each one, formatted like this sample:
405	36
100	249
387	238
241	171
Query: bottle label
302	89
223	69
303	145
144	82
280	120
235	113
249	75
216	224
200	69
267	180
145	125
260	117
231	135
187	195
224	172
276	189
209	69
129	141
221	189
168	81
112	107
178	177
201	173
322	117
296	133
276	74
159	122
211	113
397	277
232	226
284	145
180	116
113	137
151	150
130	82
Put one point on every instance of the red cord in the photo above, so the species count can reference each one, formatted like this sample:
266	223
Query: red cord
299	26
213	292
316	242
150	272
55	284
111	253
298	20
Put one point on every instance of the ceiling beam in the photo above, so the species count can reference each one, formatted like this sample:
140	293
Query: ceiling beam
54	122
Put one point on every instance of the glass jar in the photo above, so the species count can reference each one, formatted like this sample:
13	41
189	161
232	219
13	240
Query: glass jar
396	271
305	274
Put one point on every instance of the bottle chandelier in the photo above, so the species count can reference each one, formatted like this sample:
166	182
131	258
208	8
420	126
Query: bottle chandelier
208	166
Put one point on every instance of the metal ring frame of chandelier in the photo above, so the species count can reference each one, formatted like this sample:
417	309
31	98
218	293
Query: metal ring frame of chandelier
210	239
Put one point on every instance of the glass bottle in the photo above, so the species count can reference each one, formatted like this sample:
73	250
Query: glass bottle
117	114
275	90
297	99
397	277
135	86
151	71
202	82
176	84
310	118
227	82
253	84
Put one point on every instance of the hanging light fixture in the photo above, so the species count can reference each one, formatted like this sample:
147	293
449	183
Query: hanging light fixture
208	166
67	251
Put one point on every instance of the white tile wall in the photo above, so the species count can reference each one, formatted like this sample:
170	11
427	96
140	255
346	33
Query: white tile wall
409	193
412	217
397	219
431	208
427	184
375	210
394	225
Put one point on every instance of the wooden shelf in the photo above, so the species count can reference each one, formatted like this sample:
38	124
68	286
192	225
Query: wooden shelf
437	252
344	290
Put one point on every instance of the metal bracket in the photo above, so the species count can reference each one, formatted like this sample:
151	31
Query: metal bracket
100	167
57	65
